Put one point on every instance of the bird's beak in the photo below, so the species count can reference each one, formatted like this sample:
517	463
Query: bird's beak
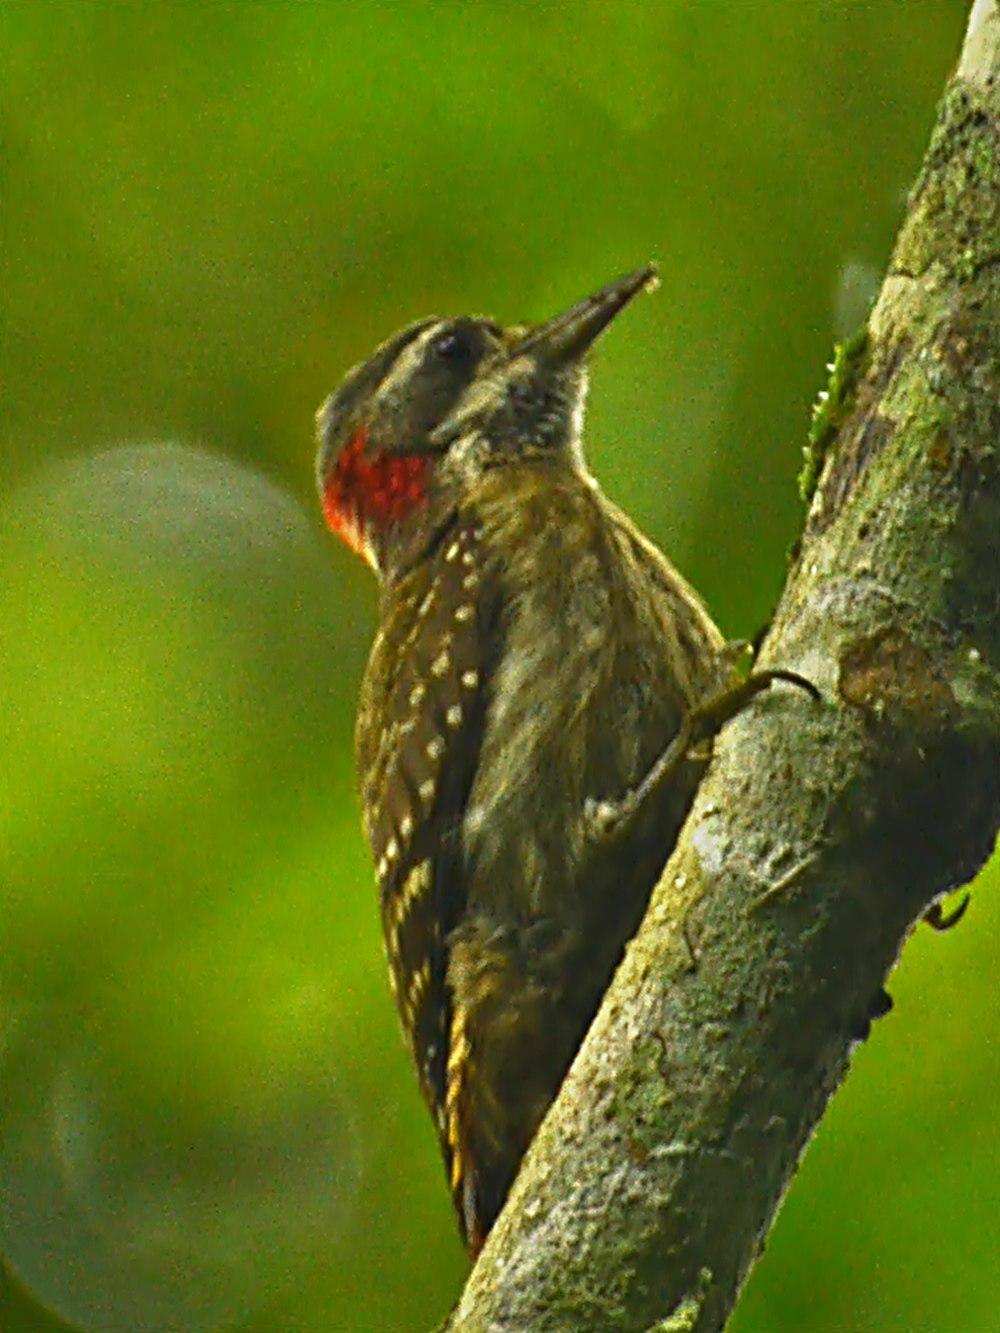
568	335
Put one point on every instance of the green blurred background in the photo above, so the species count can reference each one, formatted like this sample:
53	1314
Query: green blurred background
207	1119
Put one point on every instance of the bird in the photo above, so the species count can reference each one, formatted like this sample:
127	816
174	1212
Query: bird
526	737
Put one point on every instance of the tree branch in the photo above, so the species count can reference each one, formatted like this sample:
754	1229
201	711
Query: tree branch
822	831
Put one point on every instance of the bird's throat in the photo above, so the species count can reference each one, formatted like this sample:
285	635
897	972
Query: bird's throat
367	492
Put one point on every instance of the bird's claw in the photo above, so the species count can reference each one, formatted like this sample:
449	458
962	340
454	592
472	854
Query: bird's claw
601	818
938	919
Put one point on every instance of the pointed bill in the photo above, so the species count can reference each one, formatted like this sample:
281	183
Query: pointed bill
569	335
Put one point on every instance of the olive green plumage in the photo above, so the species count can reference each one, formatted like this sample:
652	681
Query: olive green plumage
535	655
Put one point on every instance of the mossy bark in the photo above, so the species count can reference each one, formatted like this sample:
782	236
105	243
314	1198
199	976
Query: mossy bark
822	831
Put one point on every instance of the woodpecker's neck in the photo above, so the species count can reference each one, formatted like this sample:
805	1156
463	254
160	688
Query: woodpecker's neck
369	497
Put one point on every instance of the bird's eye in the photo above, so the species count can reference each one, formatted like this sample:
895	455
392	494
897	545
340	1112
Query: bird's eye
453	346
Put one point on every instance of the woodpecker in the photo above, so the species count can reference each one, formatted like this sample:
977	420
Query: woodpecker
525	731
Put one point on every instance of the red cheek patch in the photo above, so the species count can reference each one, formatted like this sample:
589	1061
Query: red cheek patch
372	490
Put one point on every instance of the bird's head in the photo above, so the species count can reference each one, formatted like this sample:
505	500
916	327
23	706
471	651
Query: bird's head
410	429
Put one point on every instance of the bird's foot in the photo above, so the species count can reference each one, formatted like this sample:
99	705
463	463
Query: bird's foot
606	819
938	919
879	1007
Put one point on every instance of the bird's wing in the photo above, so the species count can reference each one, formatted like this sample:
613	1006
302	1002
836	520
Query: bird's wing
418	738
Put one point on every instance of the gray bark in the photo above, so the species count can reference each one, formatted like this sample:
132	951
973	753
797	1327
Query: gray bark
822	831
